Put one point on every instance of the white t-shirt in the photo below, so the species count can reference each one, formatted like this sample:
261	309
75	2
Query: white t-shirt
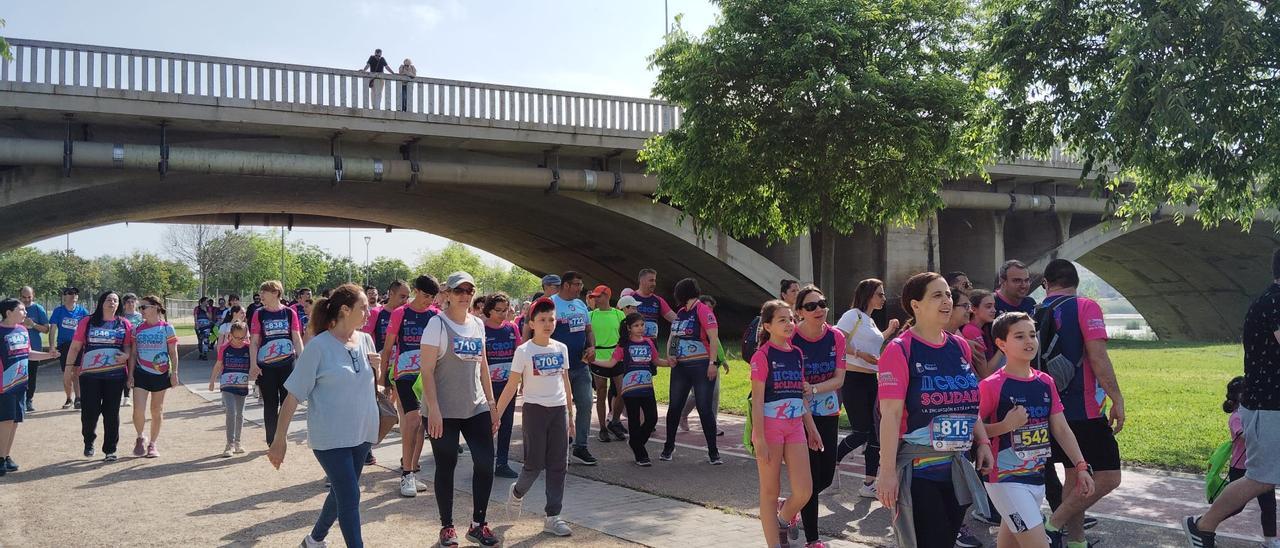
542	370
435	334
863	336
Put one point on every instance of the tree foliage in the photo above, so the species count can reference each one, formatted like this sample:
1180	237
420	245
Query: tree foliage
383	271
48	272
1164	101
815	114
515	281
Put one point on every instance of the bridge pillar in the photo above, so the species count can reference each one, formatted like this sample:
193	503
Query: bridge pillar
907	251
795	256
971	241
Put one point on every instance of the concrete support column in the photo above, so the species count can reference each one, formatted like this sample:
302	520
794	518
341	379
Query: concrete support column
909	250
1064	227
997	246
795	256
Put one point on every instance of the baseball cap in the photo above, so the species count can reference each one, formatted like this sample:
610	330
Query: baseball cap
628	301
626	291
458	278
551	279
599	289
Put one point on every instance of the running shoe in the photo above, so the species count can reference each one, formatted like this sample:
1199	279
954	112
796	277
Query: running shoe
308	542
417	483
993	521
140	446
557	526
152	452
815	544
604	436
504	471
965	538
721	433
583	456
715	459
792	527
868	491
126	402
664	456
88	450
618	431
407	487
1269	543
481	534
644	463
237	449
784	533
76	404
111	457
1057	539
370	460
226	452
9	465
448	536
1090	522
1195	537
31	406
67	404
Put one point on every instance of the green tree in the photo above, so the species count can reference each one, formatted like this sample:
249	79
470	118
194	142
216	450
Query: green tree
4	49
384	270
148	274
79	272
256	258
314	265
815	114
29	266
489	278
1162	101
341	271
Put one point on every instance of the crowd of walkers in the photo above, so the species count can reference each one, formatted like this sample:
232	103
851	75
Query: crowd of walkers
965	406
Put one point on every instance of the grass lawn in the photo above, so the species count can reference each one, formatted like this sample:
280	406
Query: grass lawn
1173	394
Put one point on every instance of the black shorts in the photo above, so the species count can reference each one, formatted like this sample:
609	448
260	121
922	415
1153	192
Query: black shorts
404	391
13	406
150	382
1097	444
63	348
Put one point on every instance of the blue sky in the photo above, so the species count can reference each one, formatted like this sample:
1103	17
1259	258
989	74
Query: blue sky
578	45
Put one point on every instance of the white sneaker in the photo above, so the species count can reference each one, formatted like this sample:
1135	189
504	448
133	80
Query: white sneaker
308	542
237	449
418	484
1271	542
557	526
126	402
226	452
868	490
407	487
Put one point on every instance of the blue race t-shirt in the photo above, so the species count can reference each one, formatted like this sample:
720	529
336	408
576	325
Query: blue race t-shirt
104	344
409	325
15	346
152	343
782	372
500	348
1028	305
636	360
572	319
67	321
1022	452
276	330
822	357
235	369
380	328
38	316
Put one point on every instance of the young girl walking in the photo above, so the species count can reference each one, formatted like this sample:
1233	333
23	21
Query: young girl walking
1266	501
231	373
784	430
541	367
639	360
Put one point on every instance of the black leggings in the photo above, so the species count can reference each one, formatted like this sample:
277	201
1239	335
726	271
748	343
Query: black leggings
1266	503
937	516
101	397
859	394
704	392
478	432
822	467
641	429
271	386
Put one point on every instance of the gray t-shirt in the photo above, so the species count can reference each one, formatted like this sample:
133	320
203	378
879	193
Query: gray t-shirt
338	383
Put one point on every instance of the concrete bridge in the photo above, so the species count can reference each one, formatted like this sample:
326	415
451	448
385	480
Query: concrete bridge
546	179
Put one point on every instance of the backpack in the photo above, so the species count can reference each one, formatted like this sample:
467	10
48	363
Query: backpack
1050	358
1215	479
750	338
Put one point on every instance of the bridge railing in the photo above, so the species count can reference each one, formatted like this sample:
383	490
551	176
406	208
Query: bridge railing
267	84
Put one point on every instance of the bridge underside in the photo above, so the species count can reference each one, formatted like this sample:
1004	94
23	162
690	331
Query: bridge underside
607	239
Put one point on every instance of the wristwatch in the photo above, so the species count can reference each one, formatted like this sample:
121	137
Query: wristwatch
1087	467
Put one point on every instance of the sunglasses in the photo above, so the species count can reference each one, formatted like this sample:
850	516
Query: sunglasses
355	361
810	307
463	291
143	306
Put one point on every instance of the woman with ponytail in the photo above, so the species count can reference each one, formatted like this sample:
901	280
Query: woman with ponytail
336	375
155	370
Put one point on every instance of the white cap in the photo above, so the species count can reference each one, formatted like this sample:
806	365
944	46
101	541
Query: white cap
628	301
458	278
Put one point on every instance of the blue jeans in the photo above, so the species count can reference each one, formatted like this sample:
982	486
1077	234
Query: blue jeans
343	467
503	447
583	390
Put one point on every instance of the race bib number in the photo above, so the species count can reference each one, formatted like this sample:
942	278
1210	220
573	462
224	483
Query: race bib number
99	359
548	364
69	323
1031	442
468	348
238	380
825	404
409	362
651	329
577	324
14	376
202	323
787	408
636	379
952	432
499	372
275	350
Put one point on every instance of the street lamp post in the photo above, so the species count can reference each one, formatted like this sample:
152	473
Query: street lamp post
367	239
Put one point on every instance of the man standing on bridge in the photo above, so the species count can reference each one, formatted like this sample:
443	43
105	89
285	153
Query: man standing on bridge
1013	287
376	65
1260	412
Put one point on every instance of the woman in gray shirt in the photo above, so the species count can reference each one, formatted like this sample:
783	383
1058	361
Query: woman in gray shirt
335	374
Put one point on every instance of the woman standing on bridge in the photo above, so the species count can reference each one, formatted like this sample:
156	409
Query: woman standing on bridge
928	421
155	370
823	349
107	342
335	375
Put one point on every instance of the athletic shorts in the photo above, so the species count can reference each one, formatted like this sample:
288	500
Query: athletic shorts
404	390
1261	438
63	349
1018	504
13	406
1097	444
783	431
151	382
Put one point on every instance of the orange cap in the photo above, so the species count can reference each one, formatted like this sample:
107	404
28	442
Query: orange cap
600	289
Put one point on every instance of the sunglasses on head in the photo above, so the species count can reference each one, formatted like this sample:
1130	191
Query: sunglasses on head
810	307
